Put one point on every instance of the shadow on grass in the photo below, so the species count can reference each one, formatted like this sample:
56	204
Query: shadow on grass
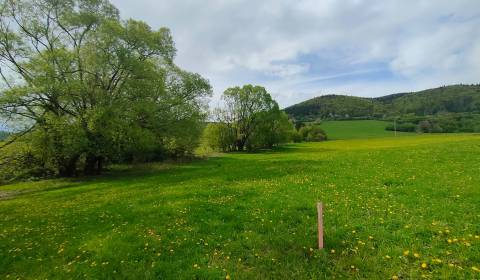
202	173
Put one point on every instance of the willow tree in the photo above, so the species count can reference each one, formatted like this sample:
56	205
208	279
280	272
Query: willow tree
90	87
251	119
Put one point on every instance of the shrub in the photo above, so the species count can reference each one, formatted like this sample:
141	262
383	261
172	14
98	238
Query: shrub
218	137
312	133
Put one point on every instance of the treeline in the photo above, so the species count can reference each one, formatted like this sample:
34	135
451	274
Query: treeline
440	123
446	99
335	107
85	89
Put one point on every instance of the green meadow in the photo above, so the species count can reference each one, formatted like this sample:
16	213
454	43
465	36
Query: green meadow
406	207
358	129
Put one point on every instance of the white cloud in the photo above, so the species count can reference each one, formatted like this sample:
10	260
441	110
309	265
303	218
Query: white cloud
286	45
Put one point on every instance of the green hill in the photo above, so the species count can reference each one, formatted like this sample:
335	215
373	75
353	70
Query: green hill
335	107
446	99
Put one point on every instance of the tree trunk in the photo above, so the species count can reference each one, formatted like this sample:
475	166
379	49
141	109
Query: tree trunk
90	162
100	161
240	145
93	165
69	167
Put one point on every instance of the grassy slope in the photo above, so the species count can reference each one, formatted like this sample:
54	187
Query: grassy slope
357	129
253	216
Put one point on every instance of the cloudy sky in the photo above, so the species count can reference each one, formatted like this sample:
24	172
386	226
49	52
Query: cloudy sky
299	49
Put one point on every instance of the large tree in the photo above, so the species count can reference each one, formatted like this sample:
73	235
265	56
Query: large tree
252	119
90	87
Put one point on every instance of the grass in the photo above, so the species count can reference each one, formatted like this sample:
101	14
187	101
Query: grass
391	205
358	129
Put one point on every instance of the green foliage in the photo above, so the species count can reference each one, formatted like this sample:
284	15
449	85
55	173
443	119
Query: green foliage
95	88
273	128
23	161
335	107
456	99
218	137
358	129
312	133
253	216
251	118
440	123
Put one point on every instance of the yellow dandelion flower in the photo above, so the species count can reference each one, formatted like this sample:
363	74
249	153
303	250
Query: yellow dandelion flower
227	277
416	255
394	277
406	253
438	260
388	257
449	241
332	251
424	266
474	268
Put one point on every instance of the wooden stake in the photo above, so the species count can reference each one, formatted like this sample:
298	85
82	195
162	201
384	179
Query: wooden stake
320	225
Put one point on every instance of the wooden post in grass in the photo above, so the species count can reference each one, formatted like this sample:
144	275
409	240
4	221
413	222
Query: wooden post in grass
320	225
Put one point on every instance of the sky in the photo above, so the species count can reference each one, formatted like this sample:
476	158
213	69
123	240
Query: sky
300	49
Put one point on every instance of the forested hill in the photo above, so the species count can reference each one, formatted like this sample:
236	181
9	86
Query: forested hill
455	98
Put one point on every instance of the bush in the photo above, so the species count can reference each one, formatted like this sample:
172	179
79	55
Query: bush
274	128
297	137
218	137
405	127
21	161
312	133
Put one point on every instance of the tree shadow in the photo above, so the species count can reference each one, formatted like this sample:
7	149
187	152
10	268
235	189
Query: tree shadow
215	170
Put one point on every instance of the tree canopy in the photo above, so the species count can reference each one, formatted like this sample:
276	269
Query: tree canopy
250	119
89	87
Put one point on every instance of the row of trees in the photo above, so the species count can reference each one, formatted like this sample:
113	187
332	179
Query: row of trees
440	123
83	88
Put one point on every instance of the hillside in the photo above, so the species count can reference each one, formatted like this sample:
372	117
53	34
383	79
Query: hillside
453	99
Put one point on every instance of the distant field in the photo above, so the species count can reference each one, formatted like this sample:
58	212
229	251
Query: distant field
391	205
358	129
